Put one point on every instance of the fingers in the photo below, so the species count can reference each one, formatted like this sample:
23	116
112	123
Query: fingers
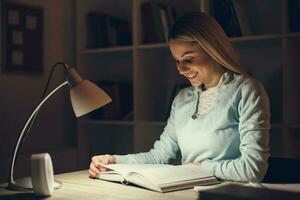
103	160
98	160
93	171
96	167
92	174
101	168
112	160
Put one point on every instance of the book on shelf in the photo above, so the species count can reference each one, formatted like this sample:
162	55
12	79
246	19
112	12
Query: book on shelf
157	19
163	18
126	101
121	31
224	12
158	177
294	15
242	18
122	101
103	30
96	34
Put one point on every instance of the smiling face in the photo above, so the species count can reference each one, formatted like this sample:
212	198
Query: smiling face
194	63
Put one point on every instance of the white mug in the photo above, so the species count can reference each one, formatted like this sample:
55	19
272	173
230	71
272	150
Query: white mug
42	174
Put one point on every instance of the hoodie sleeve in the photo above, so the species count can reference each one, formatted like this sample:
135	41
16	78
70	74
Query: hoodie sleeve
164	149
254	125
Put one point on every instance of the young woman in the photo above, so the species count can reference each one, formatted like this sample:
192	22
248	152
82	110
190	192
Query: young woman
222	120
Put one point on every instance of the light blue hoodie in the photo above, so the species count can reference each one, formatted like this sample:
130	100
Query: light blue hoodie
231	140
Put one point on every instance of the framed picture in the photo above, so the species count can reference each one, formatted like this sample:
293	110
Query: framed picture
22	38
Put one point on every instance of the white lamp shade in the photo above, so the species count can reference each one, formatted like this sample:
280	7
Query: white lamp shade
86	97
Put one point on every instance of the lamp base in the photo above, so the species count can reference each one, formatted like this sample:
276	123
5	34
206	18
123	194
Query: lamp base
25	184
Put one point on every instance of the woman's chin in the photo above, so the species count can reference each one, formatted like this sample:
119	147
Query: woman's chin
195	83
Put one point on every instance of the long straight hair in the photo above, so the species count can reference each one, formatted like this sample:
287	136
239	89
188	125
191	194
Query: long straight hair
206	31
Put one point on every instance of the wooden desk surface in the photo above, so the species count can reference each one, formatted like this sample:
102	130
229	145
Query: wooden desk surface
77	185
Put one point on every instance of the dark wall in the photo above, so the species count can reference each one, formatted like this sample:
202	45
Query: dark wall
54	130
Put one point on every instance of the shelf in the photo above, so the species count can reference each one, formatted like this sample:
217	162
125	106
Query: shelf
153	46
296	125
291	35
256	38
277	125
291	125
105	122
233	39
107	50
152	123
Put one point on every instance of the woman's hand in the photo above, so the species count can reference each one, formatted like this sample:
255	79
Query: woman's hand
96	168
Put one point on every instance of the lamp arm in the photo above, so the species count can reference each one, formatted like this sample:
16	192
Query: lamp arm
66	68
23	133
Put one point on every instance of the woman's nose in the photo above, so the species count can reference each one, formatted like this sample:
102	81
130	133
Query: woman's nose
182	68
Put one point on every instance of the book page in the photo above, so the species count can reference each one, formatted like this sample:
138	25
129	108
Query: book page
173	174
158	177
124	169
200	188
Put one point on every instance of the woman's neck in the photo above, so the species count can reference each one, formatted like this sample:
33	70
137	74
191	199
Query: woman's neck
213	81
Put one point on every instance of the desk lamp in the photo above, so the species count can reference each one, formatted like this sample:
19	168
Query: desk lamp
85	97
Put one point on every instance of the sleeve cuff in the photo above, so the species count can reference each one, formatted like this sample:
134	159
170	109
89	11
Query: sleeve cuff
209	165
122	159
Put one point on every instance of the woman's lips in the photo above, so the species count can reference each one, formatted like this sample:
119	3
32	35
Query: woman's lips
192	76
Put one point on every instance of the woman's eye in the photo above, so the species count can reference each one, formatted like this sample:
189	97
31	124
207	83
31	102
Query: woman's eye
189	61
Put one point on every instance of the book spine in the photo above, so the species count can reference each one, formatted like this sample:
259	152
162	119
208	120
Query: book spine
112	32
126	99
294	15
165	25
104	30
158	22
242	17
234	19
171	15
92	30
123	32
225	15
102	36
121	106
149	31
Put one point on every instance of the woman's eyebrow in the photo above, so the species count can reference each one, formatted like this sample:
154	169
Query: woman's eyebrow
187	52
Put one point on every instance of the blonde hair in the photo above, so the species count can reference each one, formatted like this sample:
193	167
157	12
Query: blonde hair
205	30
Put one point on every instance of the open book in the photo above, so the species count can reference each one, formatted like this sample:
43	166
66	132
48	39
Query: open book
157	177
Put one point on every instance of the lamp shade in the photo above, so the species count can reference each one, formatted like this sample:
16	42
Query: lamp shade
86	97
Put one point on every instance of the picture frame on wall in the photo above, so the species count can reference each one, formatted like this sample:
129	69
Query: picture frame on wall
22	38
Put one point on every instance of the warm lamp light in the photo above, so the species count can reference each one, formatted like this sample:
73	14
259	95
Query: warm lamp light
85	97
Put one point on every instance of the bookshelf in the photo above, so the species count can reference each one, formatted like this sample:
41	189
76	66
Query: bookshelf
269	53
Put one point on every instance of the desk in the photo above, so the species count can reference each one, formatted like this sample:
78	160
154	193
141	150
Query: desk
77	185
